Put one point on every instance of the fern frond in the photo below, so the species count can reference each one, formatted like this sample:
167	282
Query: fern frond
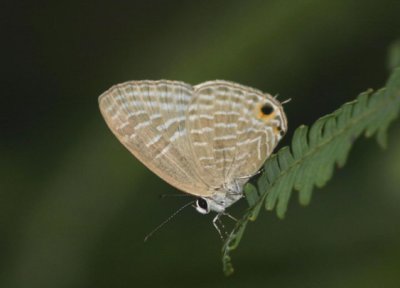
311	158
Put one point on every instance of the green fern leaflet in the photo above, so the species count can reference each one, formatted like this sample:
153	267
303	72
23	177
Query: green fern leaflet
311	158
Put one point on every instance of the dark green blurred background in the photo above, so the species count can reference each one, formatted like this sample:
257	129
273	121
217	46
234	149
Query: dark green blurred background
75	205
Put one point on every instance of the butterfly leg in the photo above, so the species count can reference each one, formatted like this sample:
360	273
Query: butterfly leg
230	216
215	220
219	226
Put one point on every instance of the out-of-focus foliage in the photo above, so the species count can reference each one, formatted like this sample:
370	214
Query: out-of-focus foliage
311	159
75	205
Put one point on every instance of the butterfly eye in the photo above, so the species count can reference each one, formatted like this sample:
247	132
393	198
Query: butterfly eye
202	206
202	203
267	109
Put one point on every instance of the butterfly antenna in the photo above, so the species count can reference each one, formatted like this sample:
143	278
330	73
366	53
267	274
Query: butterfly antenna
286	101
167	220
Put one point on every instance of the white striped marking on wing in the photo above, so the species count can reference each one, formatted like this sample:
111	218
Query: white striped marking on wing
163	151
224	149
252	129
205	158
228	103
177	134
136	113
199	106
226	113
225	137
142	124
206	96
155	116
201	116
242	156
133	135
248	141
154	140
224	160
169	122
202	130
225	125
123	125
209	166
201	144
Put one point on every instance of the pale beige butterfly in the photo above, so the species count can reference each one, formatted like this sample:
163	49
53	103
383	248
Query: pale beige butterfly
206	140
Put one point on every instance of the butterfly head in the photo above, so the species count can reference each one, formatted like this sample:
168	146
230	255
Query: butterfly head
218	202
204	205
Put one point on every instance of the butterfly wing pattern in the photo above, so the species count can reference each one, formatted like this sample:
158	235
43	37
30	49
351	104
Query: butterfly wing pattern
148	118
206	140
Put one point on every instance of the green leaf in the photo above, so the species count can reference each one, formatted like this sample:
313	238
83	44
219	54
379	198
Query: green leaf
314	152
394	55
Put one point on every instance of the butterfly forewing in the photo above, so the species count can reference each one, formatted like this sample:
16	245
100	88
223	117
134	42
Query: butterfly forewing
148	117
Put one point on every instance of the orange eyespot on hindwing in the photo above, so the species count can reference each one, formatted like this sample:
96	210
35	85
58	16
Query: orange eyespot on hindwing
266	111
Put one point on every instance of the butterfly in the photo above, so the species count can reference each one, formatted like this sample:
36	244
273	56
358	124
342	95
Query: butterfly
206	140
